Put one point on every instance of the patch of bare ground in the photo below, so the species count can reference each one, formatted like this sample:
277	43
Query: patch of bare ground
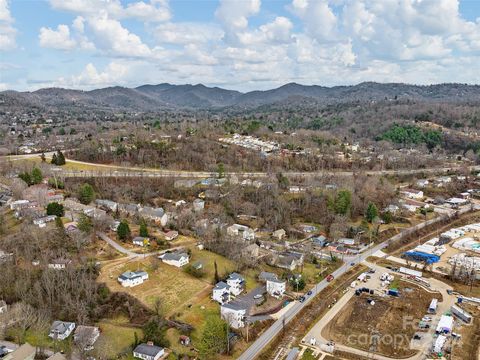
386	327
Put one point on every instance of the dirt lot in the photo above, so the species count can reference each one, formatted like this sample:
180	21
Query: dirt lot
468	347
380	327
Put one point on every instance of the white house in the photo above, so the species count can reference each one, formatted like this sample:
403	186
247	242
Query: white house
198	204
242	230
148	352
236	283
86	336
412	193
19	204
61	330
59	264
221	293
132	278
107	204
42	222
176	259
276	288
234	315
422	183
140	241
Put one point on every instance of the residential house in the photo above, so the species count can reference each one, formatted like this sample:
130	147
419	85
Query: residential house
128	209
241	230
60	330
86	336
24	352
234	315
412	193
236	283
264	276
276	288
392	209
140	241
170	235
289	260
422	183
132	278
94	212
108	205
19	204
148	352
279	234
180	203
320	241
70	226
177	259
42	222
346	241
59	264
221	292
157	215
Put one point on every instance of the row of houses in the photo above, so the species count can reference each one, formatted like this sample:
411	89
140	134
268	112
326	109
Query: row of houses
224	291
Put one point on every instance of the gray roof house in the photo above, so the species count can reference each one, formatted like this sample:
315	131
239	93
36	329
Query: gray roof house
60	330
265	275
86	336
148	352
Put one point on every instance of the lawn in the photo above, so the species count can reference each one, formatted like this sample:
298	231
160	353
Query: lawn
170	285
117	337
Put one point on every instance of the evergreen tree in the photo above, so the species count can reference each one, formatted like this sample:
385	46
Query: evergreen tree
143	228
37	176
60	158
86	194
371	213
54	159
123	230
25	176
55	208
59	223
343	202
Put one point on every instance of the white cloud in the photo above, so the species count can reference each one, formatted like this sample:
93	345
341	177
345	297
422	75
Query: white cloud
90	77
152	11
318	18
57	39
233	15
114	39
63	39
7	31
187	33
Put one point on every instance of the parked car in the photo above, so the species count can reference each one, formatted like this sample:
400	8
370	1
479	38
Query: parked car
352	263
301	299
309	293
258	296
426	318
371	271
329	277
416	337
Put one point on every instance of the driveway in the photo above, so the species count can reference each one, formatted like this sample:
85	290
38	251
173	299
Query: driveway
247	301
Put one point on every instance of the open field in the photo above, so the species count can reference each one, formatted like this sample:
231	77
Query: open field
117	336
373	328
171	286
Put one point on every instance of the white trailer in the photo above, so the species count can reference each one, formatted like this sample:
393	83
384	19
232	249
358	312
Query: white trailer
461	314
407	271
432	308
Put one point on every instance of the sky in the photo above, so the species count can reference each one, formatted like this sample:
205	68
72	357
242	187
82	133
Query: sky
236	44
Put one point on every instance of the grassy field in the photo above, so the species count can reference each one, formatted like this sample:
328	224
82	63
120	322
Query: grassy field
168	284
117	336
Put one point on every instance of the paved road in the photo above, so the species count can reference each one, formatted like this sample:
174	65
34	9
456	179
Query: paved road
127	171
256	348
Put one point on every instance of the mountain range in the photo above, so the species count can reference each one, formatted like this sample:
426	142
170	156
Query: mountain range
168	96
